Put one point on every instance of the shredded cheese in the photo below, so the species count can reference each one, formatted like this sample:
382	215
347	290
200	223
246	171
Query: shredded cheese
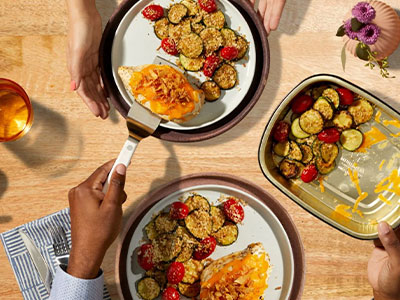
395	123
358	200
378	116
384	200
381	164
390	184
321	184
361	195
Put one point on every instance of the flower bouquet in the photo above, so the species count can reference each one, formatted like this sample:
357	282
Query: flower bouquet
371	32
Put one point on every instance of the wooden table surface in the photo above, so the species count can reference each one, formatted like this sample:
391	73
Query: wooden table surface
67	143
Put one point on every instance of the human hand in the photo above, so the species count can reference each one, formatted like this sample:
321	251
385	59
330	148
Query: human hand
95	219
84	36
384	265
270	11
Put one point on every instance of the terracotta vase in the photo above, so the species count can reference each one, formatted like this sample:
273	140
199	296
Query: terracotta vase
389	23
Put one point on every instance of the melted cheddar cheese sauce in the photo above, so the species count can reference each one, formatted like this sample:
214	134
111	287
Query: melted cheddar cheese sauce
167	91
371	137
242	279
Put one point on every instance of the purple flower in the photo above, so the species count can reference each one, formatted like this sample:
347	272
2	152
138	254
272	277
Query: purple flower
369	34
347	28
363	12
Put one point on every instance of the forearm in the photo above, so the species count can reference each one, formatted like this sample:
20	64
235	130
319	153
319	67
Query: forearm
81	8
380	296
83	264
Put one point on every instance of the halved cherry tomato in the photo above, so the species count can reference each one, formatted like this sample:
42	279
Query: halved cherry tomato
233	210
309	173
145	256
346	96
301	103
169	46
170	294
208	5
153	12
205	248
178	210
175	272
281	131
210	65
329	135
229	53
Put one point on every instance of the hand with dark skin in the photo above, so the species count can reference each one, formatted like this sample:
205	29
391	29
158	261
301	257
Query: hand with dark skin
384	264
95	219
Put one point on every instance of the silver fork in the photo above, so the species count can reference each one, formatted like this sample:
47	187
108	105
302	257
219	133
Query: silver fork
60	244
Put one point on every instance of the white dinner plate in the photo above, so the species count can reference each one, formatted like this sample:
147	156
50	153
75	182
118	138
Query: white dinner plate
259	225
136	44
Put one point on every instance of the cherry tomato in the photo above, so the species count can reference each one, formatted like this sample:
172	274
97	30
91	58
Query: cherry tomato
301	103
145	256
329	135
281	131
229	53
309	173
175	272
346	96
178	210
170	294
233	210
205	248
153	12
169	46
210	65
208	5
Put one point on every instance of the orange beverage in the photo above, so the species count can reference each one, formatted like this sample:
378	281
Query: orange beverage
16	114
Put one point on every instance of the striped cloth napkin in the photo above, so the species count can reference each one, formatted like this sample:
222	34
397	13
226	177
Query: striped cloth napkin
28	278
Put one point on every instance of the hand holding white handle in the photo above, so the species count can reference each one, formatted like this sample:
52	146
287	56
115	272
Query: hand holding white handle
124	158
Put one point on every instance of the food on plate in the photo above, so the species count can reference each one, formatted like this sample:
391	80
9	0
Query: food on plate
179	240
241	275
163	90
322	117
197	32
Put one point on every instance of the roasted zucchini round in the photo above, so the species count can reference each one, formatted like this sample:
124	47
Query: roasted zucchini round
177	12
148	288
289	168
343	120
164	224
196	201
324	108
197	28
161	28
311	121
211	90
242	45
229	36
159	276
307	153
227	235
316	147
151	230
295	152
329	152
332	96
225	77
199	223
282	149
317	91
217	217
361	111
166	247
191	64
191	45
323	167
214	19
351	139
212	40
175	32
189	290
193	8
297	131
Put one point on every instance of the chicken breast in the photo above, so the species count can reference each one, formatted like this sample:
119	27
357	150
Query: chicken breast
239	276
181	108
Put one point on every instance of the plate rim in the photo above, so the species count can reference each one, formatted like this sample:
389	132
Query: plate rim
245	106
256	191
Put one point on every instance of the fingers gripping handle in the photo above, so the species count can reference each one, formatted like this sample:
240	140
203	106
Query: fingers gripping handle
124	158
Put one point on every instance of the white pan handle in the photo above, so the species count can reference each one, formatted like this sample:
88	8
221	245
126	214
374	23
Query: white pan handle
124	158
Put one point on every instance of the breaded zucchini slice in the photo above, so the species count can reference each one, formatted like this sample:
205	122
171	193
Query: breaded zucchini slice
227	235
161	28
215	19
190	45
329	152
148	288
225	76
176	13
191	64
311	121
212	40
175	32
211	90
332	96
199	223
361	111
193	269
307	153
295	152
324	108
282	148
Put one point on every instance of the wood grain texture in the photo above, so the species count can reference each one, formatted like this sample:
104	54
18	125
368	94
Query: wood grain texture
67	143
